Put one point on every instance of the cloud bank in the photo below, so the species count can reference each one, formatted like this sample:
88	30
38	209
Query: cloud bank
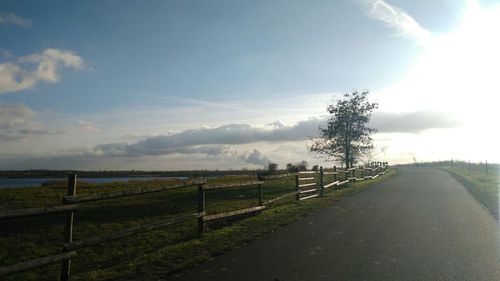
216	141
411	122
29	70
225	144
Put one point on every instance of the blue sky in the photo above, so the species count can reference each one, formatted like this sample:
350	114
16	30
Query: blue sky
83	77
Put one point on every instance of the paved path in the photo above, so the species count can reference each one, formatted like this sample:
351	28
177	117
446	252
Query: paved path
422	225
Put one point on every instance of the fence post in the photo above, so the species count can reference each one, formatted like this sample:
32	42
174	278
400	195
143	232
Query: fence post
486	168
68	228
334	173
452	163
297	188
363	172
321	185
259	190
201	208
469	167
261	201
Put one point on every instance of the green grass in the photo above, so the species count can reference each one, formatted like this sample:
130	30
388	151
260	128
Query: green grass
483	188
154	254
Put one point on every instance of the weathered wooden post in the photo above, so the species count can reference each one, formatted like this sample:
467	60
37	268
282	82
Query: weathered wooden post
297	187
362	172
321	185
201	209
452	163
259	190
486	167
261	201
334	173
68	228
469	167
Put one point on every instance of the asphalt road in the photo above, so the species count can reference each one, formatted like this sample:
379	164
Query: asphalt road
421	225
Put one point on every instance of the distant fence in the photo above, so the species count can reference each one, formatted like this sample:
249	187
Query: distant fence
313	181
468	165
483	167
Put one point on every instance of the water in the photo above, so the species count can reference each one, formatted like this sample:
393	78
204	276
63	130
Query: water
36	182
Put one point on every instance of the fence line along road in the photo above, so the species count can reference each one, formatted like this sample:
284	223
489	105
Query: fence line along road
315	182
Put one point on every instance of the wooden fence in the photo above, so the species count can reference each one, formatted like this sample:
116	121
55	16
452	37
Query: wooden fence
314	182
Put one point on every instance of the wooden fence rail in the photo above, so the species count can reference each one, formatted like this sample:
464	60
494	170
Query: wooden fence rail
72	199
318	179
201	202
23	266
128	232
303	179
35	212
276	177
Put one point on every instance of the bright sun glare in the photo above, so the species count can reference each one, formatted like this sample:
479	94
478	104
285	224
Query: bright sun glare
459	70
457	73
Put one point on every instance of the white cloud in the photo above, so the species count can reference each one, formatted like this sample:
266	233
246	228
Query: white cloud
397	19
85	125
14	115
13	19
255	157
29	70
18	122
277	124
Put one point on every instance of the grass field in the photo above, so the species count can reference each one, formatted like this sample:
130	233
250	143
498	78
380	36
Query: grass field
154	254
483	187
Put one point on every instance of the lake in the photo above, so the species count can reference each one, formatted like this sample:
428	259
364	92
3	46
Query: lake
36	182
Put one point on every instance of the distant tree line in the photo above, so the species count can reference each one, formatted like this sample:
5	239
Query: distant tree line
118	174
290	167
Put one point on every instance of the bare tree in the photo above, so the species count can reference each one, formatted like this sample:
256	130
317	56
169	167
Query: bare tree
346	137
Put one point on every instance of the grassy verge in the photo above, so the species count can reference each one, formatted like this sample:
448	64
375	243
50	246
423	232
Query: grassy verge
483	188
151	255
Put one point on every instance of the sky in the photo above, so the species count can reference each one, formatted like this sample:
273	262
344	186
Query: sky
174	85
